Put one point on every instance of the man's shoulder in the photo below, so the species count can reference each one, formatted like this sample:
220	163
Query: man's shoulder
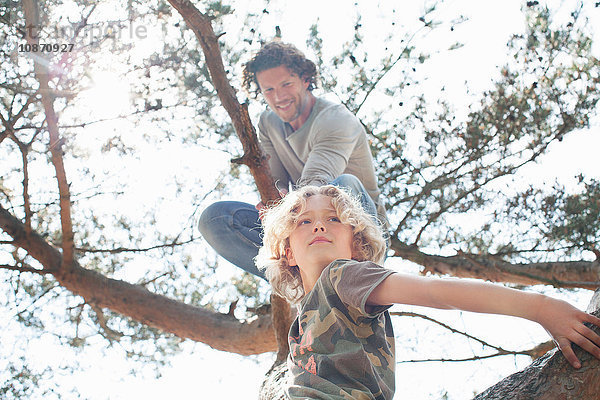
269	122
330	115
268	116
325	107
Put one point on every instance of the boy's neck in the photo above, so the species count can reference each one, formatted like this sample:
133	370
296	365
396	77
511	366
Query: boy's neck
310	275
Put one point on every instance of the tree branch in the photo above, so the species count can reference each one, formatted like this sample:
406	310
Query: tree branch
133	250
22	268
26	199
31	10
110	334
451	329
386	69
566	274
253	156
217	330
534	353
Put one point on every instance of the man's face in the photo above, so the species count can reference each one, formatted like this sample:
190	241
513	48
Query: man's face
287	94
319	237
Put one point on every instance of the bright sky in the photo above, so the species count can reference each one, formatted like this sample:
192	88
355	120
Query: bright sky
202	373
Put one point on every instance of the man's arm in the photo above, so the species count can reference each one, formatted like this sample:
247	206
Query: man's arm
336	134
562	321
280	175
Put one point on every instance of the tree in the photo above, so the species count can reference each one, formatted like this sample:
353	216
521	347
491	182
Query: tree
58	245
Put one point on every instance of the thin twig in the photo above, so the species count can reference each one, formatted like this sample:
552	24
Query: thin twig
110	334
499	350
134	250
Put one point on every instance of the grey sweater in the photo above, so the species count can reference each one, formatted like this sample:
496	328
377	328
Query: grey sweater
331	142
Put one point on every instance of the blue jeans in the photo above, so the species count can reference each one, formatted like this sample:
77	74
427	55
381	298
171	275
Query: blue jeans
233	229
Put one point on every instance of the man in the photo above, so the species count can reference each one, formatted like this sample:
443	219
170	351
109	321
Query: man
309	141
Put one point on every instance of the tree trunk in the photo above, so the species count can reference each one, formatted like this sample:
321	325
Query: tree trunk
273	387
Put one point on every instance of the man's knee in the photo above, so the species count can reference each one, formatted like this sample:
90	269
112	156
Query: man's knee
350	182
232	214
210	213
205	218
356	188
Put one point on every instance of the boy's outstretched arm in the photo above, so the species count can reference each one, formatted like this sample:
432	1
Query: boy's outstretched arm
561	320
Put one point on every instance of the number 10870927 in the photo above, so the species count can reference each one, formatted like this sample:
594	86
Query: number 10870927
45	47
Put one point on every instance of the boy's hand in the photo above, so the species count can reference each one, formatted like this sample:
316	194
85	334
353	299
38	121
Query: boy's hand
565	324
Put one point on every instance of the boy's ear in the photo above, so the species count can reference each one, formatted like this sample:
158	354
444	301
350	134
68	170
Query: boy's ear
290	257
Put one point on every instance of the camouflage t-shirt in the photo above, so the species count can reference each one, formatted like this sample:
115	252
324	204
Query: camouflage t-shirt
340	348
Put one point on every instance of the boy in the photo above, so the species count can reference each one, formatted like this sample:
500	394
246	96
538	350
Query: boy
321	249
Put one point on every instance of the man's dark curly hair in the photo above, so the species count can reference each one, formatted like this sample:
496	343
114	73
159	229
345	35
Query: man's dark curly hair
274	54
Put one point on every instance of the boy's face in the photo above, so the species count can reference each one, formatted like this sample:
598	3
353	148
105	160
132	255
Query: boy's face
319	237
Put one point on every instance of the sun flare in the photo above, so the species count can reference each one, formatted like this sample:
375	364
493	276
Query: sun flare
108	96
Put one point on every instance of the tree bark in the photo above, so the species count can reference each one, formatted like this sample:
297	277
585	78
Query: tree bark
551	377
273	387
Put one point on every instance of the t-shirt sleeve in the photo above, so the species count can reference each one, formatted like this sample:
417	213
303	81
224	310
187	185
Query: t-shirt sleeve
280	175
354	281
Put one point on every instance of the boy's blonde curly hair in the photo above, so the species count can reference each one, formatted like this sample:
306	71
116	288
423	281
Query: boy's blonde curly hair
280	220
